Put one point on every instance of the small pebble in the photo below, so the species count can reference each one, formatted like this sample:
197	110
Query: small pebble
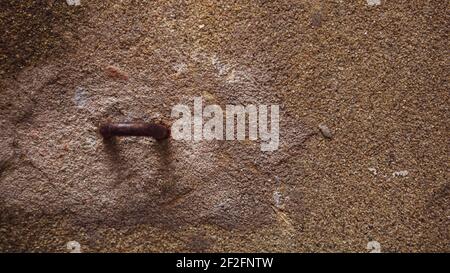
73	2
400	174
73	247
374	247
373	2
373	171
325	131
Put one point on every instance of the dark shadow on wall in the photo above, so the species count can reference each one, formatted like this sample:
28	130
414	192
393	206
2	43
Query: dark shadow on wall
35	30
119	166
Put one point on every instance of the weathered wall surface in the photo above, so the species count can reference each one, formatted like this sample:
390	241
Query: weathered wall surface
375	75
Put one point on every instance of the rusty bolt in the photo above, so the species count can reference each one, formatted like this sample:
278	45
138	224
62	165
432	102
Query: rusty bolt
157	131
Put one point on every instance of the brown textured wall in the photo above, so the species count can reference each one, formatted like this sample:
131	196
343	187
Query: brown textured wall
377	76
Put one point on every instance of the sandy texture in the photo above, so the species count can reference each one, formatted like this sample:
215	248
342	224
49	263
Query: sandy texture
375	76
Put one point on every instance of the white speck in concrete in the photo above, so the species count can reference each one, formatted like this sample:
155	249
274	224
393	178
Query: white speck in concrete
373	2
232	77
400	173
90	143
80	97
73	2
221	68
180	68
155	116
277	198
374	247
74	247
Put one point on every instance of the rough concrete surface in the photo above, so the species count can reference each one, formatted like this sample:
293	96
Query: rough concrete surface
374	75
